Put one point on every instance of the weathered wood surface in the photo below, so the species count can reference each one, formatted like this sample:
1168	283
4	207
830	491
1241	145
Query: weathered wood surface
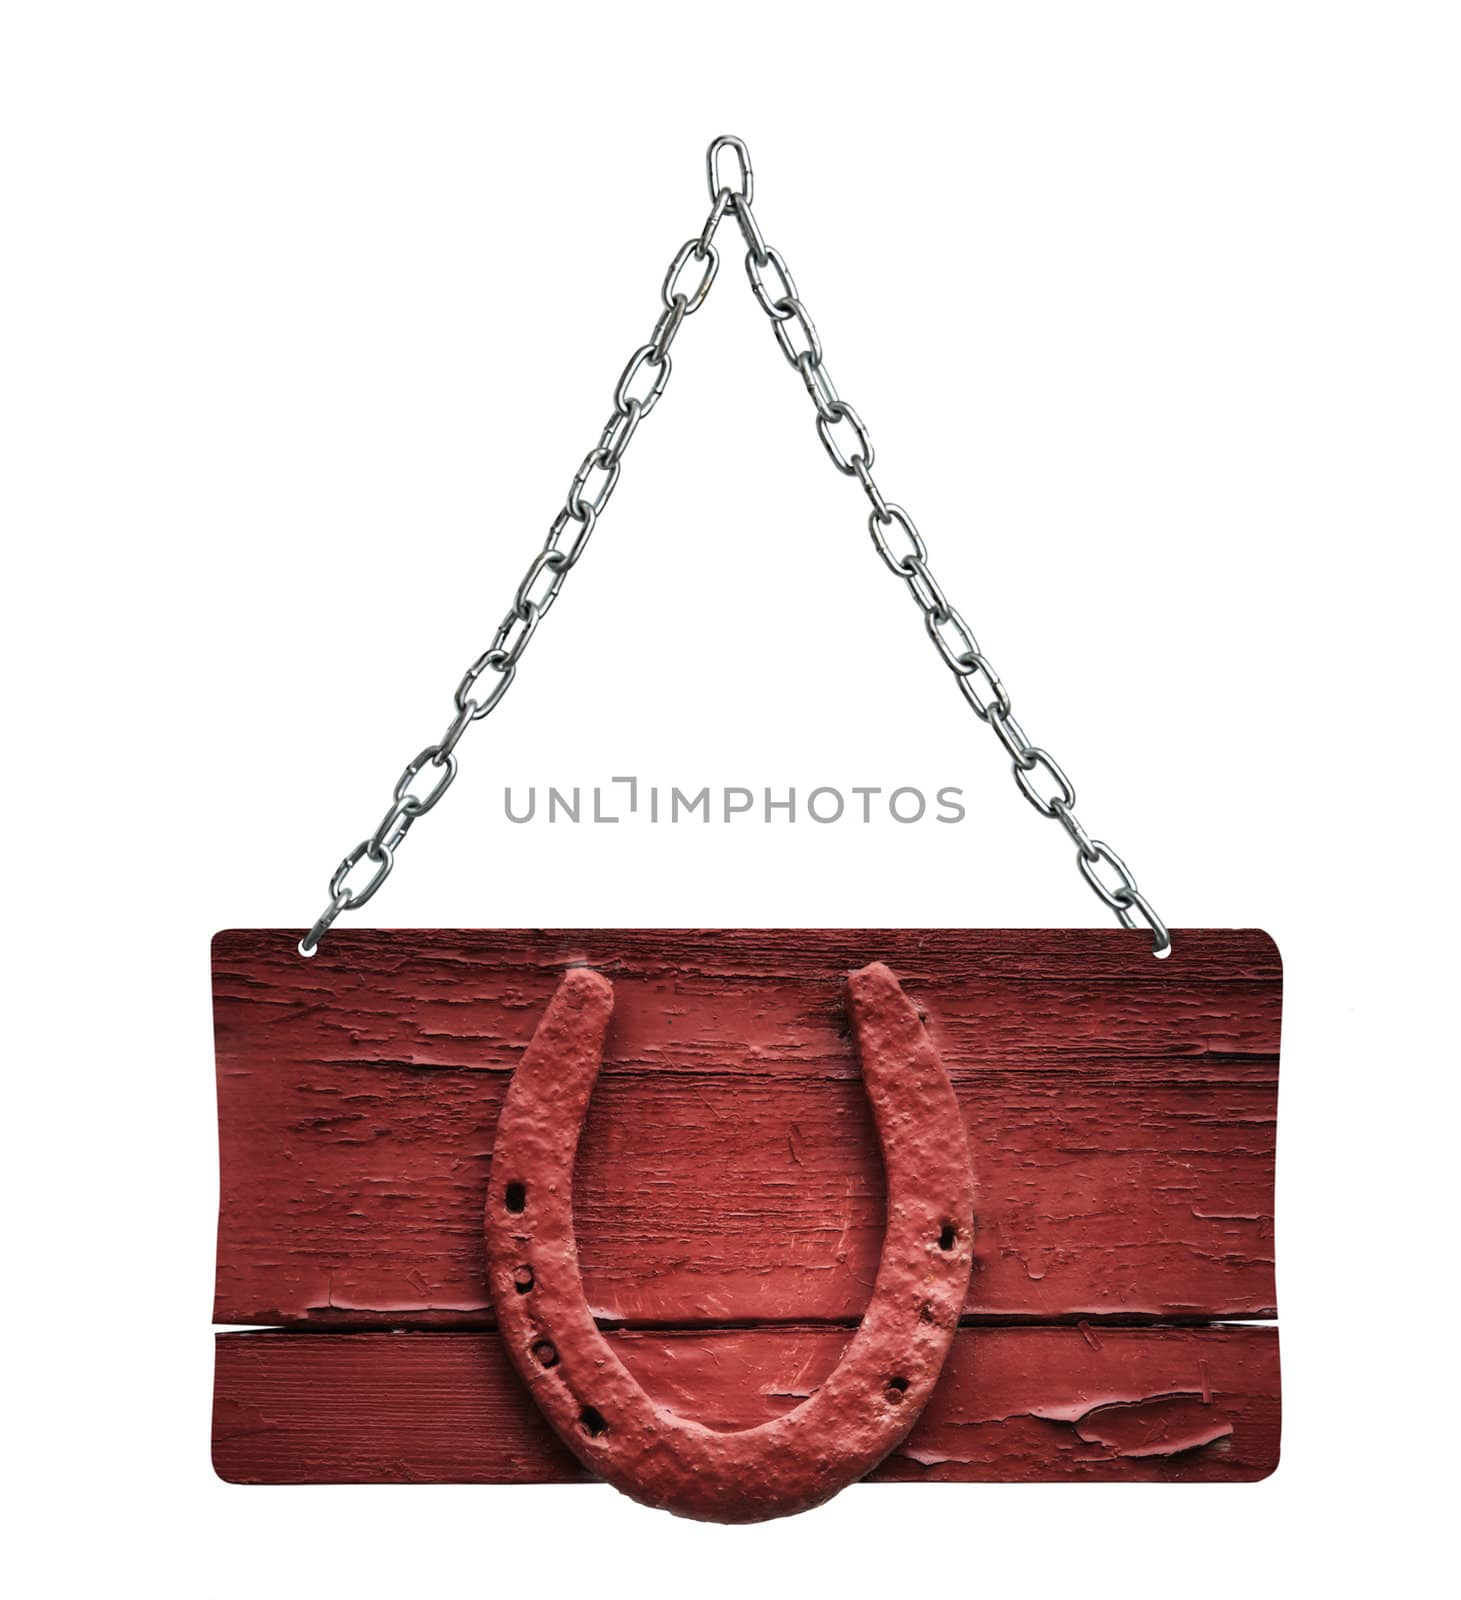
1120	1114
1015	1404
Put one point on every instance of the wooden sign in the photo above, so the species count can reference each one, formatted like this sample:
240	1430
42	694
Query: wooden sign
729	1199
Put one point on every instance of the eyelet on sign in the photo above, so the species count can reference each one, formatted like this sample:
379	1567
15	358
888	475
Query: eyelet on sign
1134	900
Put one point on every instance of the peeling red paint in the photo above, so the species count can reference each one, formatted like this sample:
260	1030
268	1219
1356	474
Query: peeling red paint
359	1093
1161	1425
444	1407
1120	1114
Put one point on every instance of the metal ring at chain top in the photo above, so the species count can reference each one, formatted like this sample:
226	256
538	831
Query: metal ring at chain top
728	141
548	570
797	338
801	345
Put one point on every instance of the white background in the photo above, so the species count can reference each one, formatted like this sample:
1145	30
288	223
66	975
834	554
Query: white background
309	313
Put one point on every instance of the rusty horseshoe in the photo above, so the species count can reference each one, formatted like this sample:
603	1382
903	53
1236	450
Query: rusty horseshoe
871	1399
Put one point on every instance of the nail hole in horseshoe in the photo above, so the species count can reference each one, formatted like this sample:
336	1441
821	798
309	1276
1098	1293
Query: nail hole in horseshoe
897	1388
545	1353
523	1279
591	1420
948	1236
516	1196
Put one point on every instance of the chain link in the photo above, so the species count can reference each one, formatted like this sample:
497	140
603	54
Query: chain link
895	537
686	283
900	546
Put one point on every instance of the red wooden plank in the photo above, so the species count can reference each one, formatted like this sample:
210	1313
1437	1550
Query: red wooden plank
1015	1404
1120	1114
751	1001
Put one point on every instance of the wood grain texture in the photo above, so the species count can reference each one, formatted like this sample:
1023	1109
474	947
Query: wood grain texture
1015	1404
1120	1114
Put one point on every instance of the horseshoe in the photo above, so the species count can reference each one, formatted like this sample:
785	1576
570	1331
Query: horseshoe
873	1396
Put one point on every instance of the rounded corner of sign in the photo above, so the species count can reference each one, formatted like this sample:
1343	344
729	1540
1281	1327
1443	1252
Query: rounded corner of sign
221	1470
1272	945
1268	1470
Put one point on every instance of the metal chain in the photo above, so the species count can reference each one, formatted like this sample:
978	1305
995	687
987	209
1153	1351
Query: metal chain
850	448
848	444
490	676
